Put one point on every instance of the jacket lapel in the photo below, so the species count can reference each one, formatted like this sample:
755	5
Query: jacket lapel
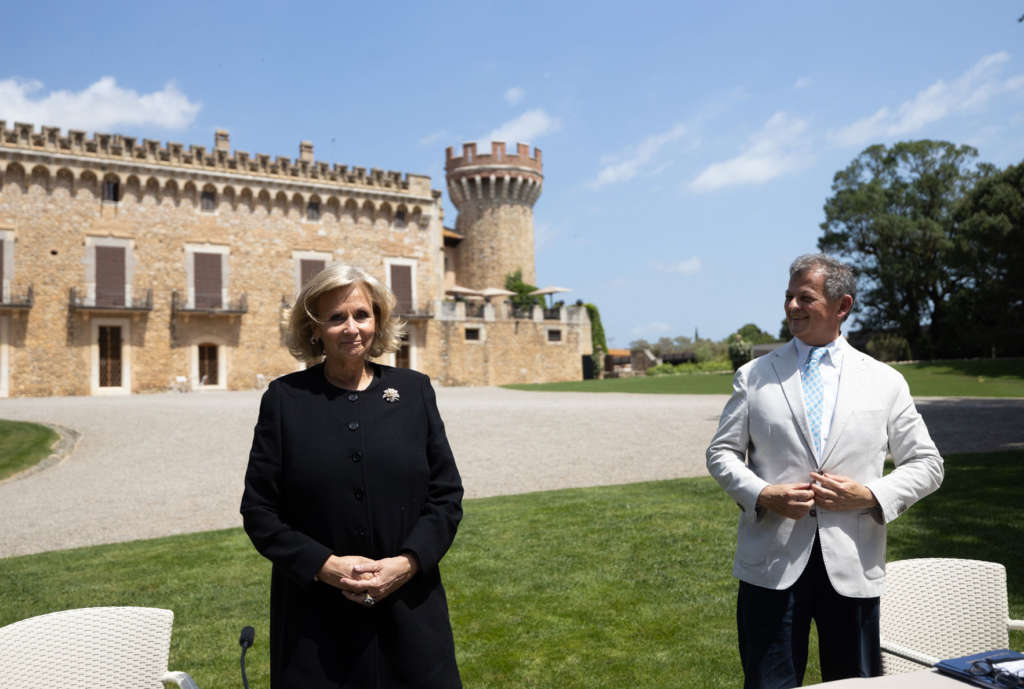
784	361
849	374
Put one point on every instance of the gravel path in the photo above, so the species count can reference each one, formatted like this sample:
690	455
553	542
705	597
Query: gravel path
155	465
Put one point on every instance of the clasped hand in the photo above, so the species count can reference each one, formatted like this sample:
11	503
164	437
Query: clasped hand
828	491
358	576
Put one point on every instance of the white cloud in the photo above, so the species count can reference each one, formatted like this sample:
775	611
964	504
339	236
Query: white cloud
101	106
526	128
970	91
777	149
648	328
687	266
626	165
514	95
542	234
432	138
802	83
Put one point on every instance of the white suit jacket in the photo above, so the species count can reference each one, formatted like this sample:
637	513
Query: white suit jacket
763	438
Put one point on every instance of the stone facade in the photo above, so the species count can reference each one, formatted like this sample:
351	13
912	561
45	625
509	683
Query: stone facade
69	203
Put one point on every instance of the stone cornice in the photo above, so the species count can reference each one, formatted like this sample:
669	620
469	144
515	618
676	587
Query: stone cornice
103	165
113	151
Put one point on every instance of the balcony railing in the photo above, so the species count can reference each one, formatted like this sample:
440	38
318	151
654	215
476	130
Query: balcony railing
209	304
554	314
406	310
111	301
18	303
474	309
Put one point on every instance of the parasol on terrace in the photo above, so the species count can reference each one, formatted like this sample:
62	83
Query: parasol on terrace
464	292
549	291
489	292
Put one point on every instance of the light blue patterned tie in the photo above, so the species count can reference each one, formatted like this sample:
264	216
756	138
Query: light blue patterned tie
810	382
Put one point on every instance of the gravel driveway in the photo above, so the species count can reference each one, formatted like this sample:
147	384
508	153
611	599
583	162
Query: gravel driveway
155	465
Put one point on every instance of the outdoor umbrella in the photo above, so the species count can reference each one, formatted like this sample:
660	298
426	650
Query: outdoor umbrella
549	291
489	292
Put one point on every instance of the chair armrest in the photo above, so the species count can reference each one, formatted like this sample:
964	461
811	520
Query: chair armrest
183	680
1015	624
908	653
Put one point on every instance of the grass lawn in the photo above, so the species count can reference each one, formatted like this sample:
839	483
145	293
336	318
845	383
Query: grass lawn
682	384
964	378
22	445
596	587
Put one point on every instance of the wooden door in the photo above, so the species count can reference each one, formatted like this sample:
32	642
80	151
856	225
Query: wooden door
110	356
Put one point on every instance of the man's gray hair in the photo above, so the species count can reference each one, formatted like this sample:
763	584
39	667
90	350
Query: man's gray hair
839	277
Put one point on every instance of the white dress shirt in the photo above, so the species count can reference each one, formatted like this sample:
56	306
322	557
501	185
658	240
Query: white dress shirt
831	366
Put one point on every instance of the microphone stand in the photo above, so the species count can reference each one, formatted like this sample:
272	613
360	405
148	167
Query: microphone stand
245	641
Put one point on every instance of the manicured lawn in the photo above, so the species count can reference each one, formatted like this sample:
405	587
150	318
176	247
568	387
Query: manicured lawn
22	445
597	587
683	384
967	378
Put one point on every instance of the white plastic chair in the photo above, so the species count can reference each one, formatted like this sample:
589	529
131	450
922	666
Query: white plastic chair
937	608
121	648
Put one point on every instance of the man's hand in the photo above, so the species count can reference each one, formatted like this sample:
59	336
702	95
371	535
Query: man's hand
834	492
791	500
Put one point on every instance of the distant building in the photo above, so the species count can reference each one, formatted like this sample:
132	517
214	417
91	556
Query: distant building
133	266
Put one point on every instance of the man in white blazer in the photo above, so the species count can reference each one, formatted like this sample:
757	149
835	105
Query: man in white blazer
800	447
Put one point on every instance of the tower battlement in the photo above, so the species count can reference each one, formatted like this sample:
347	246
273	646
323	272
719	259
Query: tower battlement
498	157
220	158
494	193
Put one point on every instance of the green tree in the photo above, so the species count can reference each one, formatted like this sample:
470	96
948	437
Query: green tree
522	297
597	339
990	310
784	333
891	216
752	334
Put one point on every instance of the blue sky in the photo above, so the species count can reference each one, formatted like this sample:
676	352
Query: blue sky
688	146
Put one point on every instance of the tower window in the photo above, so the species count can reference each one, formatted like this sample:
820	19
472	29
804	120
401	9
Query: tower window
554	335
209	201
111	191
313	211
472	334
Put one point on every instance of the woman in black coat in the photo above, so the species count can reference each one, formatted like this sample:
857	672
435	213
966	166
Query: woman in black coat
353	494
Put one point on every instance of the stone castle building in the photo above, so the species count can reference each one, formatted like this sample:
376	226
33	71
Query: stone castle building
134	266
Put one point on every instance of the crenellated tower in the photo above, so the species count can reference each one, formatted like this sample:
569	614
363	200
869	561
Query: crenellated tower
494	194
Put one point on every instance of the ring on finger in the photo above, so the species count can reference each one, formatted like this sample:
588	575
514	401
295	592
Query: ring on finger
369	600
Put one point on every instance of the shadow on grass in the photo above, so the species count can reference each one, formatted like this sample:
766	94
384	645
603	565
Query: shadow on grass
977	514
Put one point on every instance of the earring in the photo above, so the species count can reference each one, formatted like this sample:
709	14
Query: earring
312	340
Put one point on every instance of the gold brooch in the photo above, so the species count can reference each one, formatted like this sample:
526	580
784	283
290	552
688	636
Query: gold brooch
391	395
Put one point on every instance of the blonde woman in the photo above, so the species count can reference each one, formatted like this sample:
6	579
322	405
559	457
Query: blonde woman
353	494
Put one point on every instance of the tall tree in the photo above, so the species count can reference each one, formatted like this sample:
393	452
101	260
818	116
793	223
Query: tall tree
990	311
891	216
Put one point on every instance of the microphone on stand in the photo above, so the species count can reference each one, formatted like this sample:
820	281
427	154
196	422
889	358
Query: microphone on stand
245	641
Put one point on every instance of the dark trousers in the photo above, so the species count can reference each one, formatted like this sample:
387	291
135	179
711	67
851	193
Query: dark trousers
774	627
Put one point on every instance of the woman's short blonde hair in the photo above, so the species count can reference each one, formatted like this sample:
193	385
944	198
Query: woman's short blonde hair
303	317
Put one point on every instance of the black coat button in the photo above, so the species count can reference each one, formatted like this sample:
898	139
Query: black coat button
353	425
813	512
357	455
358	493
352	397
